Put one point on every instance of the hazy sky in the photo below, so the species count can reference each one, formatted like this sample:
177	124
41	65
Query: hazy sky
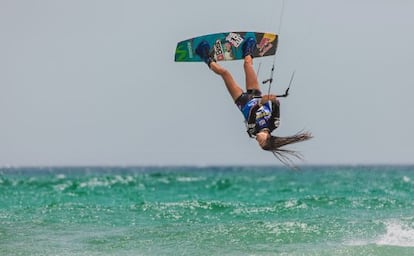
94	82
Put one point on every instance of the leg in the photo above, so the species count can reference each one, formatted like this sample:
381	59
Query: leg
232	86
251	77
203	50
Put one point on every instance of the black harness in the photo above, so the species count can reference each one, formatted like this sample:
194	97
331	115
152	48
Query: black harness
273	122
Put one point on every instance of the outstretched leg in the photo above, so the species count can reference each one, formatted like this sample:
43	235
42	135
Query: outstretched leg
251	77
231	85
203	50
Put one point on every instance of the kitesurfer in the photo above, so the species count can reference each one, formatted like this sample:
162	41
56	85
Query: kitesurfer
261	112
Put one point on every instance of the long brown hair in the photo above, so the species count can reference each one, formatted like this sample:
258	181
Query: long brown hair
275	144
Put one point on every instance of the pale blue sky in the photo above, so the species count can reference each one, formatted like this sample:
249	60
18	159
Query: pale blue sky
95	83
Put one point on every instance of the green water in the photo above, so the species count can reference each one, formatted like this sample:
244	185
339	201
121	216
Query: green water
366	210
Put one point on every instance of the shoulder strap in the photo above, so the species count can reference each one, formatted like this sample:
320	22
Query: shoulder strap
251	121
252	114
275	116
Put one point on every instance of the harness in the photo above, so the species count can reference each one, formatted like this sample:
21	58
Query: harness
258	117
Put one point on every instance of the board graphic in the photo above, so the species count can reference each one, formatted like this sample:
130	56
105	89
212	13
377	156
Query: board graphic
227	46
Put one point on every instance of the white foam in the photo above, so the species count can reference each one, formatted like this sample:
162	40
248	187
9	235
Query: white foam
189	179
397	234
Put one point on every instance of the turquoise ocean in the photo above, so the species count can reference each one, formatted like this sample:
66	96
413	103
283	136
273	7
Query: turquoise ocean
229	210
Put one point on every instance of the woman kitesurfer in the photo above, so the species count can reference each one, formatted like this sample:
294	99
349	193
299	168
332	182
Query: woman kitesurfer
261	112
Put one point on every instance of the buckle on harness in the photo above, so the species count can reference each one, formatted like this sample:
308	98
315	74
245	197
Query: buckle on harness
251	130
276	122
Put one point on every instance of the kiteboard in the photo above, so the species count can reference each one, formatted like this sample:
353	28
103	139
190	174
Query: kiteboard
227	46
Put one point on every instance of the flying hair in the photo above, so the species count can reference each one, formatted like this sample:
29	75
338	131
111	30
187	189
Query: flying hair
275	144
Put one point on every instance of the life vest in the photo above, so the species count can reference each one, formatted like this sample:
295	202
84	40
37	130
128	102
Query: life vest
266	116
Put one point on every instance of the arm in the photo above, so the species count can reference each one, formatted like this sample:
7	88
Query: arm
275	108
266	98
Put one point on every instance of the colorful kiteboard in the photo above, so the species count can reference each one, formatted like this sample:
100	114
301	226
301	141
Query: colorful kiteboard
227	46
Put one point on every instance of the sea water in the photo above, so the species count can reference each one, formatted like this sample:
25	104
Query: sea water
328	210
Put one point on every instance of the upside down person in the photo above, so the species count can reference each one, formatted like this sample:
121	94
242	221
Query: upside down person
261	112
